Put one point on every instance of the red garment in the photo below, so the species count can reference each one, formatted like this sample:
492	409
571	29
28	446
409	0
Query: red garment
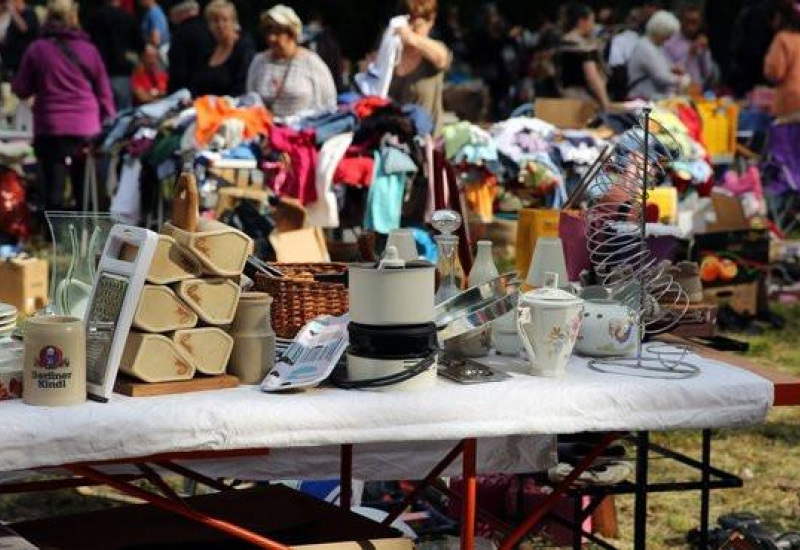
148	81
14	213
301	148
129	6
367	105
355	171
691	119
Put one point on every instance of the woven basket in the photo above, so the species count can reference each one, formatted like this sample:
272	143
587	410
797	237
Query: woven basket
297	298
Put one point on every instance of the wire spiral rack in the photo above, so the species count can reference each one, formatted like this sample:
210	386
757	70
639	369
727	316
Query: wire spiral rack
615	193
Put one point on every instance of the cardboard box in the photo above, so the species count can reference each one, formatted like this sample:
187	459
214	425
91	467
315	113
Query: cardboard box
565	113
24	284
748	249
743	298
277	512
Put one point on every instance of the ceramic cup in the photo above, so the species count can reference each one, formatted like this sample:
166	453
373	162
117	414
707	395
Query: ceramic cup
252	358
54	361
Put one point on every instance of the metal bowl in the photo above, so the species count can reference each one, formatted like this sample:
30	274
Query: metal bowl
476	306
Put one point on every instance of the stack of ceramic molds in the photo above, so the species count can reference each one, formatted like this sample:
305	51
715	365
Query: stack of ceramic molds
191	296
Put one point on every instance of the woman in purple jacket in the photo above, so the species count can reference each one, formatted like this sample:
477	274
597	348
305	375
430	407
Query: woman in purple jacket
64	73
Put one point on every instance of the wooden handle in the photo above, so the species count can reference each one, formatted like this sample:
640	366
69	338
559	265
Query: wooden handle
185	205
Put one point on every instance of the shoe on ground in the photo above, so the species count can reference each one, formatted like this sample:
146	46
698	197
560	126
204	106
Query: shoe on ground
610	473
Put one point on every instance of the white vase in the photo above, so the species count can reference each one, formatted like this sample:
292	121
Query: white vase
483	270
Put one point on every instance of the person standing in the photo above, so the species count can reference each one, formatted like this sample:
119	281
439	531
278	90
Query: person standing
155	28
115	33
225	71
65	74
149	80
689	50
579	59
288	77
782	62
190	46
419	75
320	39
23	28
650	73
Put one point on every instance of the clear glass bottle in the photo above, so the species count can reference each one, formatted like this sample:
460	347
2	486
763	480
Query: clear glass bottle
447	222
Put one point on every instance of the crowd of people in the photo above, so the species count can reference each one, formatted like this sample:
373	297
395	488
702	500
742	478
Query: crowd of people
82	73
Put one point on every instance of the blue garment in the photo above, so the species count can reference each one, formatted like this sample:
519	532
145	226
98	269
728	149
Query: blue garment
329	124
397	161
244	151
384	199
423	122
155	19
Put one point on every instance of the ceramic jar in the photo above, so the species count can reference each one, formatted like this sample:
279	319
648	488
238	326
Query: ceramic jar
548	321
608	329
54	362
253	354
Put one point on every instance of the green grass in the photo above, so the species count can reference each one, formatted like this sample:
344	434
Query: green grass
766	456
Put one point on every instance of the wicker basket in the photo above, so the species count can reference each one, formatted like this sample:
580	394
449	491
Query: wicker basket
297	298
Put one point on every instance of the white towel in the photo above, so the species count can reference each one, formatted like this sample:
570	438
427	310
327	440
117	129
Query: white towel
378	77
325	211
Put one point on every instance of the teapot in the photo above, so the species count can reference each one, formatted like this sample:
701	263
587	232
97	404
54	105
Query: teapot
548	322
609	329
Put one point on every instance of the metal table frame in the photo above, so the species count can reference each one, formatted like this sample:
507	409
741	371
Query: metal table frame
787	392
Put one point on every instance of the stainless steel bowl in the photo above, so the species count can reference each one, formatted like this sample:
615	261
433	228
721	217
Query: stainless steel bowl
476	306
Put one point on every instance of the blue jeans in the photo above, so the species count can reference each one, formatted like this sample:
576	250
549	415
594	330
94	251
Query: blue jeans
123	93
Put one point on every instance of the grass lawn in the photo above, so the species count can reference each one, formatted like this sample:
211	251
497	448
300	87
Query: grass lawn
765	456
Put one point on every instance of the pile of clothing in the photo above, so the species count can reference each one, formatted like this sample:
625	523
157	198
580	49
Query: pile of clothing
520	162
359	165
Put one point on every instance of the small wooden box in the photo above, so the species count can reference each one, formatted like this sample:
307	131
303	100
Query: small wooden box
24	284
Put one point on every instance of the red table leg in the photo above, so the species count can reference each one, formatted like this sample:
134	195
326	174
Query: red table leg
181	509
469	504
538	513
429	479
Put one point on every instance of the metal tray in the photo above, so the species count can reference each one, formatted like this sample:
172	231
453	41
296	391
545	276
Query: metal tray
476	306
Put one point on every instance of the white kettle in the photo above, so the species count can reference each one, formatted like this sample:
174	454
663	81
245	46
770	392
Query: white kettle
548	322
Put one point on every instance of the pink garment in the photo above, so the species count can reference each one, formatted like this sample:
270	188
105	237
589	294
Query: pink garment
301	174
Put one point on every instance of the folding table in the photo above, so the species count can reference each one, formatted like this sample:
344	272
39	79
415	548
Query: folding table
173	432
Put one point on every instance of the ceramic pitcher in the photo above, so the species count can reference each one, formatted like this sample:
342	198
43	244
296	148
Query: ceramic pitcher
548	322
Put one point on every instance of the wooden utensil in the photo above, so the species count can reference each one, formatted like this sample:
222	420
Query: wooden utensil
185	205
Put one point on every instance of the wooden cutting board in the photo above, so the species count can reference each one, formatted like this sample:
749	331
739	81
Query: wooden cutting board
135	388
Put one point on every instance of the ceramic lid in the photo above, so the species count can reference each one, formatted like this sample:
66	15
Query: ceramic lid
550	294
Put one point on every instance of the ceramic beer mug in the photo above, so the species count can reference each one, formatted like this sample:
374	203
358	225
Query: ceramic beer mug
54	363
548	321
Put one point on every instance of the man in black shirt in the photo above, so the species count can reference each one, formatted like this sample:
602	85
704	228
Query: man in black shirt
116	35
191	44
22	30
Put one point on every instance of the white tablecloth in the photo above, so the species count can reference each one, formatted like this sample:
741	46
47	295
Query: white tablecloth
244	417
